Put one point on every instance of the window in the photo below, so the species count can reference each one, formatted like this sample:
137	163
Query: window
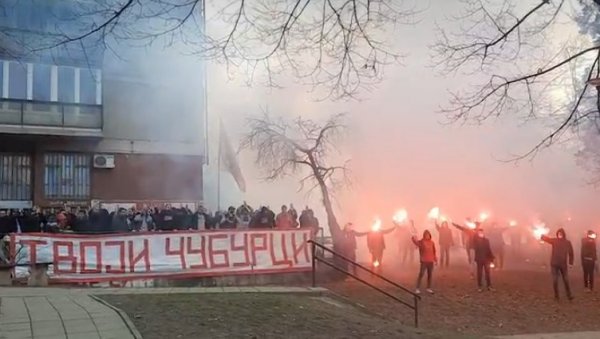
66	175
1	77
41	82
87	94
66	84
17	80
15	177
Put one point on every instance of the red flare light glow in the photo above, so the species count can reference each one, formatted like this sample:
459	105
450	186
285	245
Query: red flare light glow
592	236
400	216
471	224
512	223
539	230
376	225
376	263
434	213
483	216
492	265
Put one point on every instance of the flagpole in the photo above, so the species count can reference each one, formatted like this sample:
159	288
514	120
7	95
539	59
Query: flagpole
219	165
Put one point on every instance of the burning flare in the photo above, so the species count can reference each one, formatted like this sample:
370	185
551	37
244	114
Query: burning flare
376	263
483	216
471	224
539	230
512	223
376	225
434	213
400	216
492	265
592	236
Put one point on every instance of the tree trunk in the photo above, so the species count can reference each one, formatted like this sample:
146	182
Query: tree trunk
334	226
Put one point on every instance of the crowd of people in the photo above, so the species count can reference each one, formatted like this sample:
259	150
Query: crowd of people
167	218
484	244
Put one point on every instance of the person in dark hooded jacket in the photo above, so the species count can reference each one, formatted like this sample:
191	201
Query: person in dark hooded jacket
483	257
589	255
428	257
562	252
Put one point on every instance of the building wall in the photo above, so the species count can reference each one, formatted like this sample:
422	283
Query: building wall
136	176
150	177
153	110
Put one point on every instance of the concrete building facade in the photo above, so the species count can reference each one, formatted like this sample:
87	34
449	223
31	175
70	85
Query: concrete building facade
80	124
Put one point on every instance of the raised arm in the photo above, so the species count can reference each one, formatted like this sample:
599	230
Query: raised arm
547	239
389	230
461	228
415	241
360	234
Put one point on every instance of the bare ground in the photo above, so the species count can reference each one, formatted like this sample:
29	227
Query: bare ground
256	315
522	303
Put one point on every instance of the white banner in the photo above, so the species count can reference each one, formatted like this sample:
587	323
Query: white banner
92	258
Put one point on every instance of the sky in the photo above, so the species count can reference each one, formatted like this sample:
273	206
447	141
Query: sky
402	156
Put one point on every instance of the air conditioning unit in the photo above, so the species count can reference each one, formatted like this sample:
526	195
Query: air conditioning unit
104	161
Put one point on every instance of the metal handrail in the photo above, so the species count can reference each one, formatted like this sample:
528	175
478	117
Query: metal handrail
315	258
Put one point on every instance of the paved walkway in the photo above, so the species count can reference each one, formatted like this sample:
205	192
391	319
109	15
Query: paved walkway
54	316
73	313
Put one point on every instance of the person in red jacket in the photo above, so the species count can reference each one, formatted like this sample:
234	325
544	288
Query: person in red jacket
284	219
428	257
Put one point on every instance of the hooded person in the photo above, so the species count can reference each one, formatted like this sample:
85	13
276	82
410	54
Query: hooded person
428	258
469	233
446	242
562	254
376	245
349	243
589	256
483	257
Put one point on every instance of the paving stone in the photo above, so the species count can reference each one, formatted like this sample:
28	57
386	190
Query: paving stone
79	326
86	335
48	331
116	334
13	320
23	326
17	335
74	316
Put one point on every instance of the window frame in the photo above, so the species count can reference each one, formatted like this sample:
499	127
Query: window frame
71	167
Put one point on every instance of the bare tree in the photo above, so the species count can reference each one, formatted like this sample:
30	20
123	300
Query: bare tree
526	65
339	46
300	148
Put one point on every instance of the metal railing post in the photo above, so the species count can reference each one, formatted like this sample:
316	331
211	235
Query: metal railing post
313	249
315	245
416	311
